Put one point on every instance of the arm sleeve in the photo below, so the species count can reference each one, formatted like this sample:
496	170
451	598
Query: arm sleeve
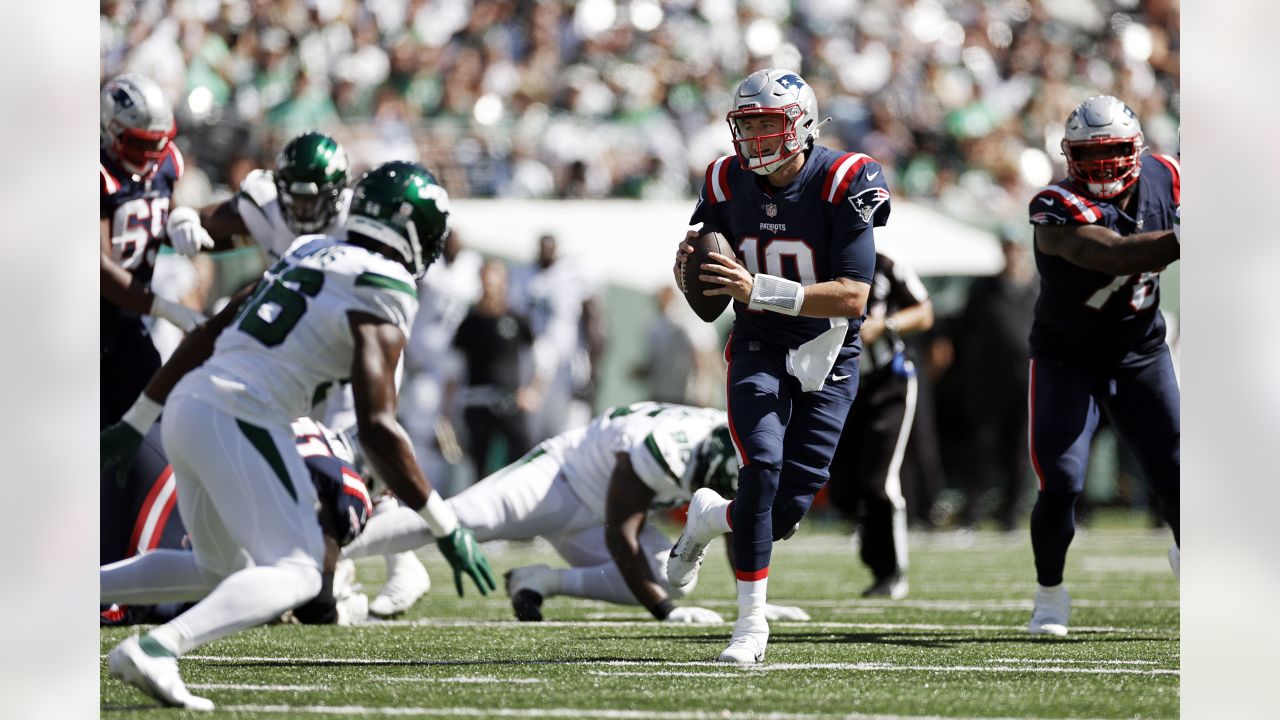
707	214
1055	207
866	205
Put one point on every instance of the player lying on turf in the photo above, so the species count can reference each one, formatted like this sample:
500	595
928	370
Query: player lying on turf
139	516
588	492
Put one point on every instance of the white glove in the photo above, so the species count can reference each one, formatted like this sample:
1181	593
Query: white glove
694	616
186	235
353	610
784	612
180	315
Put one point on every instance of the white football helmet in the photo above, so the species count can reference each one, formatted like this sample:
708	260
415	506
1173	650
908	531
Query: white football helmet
137	122
1102	144
784	94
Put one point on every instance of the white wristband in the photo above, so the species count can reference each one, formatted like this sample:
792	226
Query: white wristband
776	294
439	515
142	414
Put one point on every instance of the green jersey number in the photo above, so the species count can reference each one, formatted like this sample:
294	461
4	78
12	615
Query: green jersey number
274	310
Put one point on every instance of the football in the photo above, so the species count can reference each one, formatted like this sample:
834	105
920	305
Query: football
708	307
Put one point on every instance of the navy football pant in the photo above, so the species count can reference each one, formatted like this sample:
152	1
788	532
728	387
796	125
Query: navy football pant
1142	403
785	439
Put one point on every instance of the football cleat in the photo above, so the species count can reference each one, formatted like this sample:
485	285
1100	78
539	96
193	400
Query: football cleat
747	645
699	530
146	665
892	586
527	587
407	580
1052	612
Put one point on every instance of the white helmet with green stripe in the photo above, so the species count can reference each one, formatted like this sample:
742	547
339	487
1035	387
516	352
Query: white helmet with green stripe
403	209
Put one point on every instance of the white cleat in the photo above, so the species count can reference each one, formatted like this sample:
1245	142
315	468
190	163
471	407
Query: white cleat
1052	612
144	664
699	530
407	580
1175	561
528	586
747	646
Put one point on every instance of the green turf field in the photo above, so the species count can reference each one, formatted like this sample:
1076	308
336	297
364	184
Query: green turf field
956	648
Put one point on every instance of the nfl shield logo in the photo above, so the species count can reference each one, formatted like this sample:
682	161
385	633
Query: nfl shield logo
770	209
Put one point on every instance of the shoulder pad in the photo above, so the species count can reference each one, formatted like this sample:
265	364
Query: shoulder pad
844	170
259	187
176	163
717	179
1061	205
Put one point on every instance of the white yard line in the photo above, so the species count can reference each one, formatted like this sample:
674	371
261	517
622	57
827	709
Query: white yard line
861	605
246	686
361	710
479	679
1069	662
798	625
766	667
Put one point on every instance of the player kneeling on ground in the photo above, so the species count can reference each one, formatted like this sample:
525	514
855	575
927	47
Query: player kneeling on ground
588	492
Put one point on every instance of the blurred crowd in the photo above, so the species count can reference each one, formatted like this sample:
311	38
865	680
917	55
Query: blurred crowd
962	100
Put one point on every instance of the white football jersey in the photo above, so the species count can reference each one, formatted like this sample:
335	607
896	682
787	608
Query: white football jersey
259	206
658	438
292	337
552	301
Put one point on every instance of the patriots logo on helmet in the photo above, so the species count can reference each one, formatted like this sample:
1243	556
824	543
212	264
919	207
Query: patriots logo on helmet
791	81
866	202
121	96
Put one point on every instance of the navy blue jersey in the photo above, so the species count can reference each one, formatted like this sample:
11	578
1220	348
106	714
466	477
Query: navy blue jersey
1091	317
137	210
810	231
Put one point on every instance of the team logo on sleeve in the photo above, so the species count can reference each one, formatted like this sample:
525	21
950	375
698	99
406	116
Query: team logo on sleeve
866	202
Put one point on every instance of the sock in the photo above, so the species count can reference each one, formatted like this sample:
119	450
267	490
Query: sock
1053	525
751	597
154	577
389	532
244	599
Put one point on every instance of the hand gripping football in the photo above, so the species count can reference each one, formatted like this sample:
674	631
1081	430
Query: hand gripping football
708	307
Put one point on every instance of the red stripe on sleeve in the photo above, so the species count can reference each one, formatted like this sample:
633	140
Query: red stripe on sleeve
848	178
723	180
831	174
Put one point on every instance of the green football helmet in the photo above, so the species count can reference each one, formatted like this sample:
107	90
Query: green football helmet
311	172
716	464
401	206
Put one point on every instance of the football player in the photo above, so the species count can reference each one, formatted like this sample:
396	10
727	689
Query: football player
138	167
588	491
138	517
800	216
307	193
333	307
1102	237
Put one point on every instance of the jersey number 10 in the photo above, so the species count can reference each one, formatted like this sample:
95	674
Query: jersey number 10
774	251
